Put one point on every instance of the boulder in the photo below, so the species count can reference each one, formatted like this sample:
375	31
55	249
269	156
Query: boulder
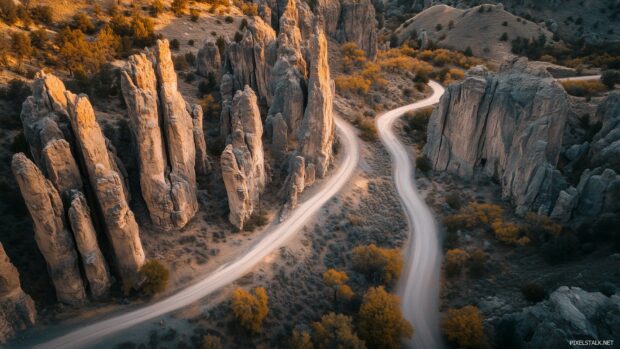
509	126
51	233
17	310
93	262
598	191
119	221
316	133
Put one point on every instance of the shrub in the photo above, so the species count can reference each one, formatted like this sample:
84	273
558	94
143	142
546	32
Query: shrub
380	322
178	6
463	326
210	108
586	88
180	62
249	9
418	120
353	84
175	44
238	37
190	57
368	128
335	331
155	276
352	56
259	218
379	265
42	14
540	228
211	342
468	52
423	163
460	221
438	27
454	261
453	199
83	23
39	38
504	37
8	11
486	213
250	309
21	45
533	292
336	281
508	233
229	19
194	14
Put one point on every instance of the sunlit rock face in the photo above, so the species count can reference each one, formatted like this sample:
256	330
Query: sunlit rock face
164	134
17	310
507	125
51	233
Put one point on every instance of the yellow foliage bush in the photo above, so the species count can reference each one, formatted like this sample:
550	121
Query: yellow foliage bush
380	265
486	213
352	83
583	88
380	322
454	261
250	309
463	326
352	56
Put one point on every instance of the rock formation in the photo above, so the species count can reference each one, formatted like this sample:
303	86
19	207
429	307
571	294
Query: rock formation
95	266
357	24
570	312
202	160
605	148
62	169
249	61
166	154
107	184
243	167
508	126
297	180
316	134
209	61
17	311
51	233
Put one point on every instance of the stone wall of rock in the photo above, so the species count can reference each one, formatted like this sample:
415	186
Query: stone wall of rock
203	165
107	185
17	310
51	234
508	126
316	133
242	162
357	24
163	131
209	61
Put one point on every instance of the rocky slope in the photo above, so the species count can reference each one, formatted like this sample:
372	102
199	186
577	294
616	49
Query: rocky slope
17	309
163	130
569	313
512	126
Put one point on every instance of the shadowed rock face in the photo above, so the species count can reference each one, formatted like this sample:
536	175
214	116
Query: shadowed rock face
507	126
243	164
316	134
95	266
208	61
107	184
166	153
17	309
203	165
51	234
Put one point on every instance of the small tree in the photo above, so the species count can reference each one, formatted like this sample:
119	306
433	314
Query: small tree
463	326
380	321
21	45
454	261
380	265
157	7
335	279
178	6
211	342
300	340
250	309
335	331
156	277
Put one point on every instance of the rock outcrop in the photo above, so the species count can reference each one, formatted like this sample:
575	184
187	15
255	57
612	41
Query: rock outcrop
202	160
316	134
508	126
357	24
209	61
242	162
51	233
17	311
62	169
107	185
569	313
167	174
93	262
297	180
605	148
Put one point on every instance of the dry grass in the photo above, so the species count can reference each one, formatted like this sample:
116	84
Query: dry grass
583	88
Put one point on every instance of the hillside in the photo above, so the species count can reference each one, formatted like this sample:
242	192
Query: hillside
480	28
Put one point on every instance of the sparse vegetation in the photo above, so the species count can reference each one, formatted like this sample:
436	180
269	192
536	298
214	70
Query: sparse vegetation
585	88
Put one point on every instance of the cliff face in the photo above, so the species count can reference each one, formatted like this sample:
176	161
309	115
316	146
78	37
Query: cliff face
508	126
166	153
51	233
17	311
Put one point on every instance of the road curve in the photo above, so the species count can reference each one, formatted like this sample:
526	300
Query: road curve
418	286
87	335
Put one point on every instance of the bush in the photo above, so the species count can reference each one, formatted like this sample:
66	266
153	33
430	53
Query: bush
249	9
368	128
353	83
229	19
418	120
335	331
453	199
157	7
211	342
250	309
155	276
460	221
379	265
454	261
42	14
258	219
380	322
423	163
585	88
533	292
175	44
300	340
438	27
504	37
463	326
194	14
178	6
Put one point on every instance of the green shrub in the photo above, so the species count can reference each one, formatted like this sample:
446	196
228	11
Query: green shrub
156	277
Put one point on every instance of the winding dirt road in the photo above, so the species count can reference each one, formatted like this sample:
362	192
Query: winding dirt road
90	334
418	287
